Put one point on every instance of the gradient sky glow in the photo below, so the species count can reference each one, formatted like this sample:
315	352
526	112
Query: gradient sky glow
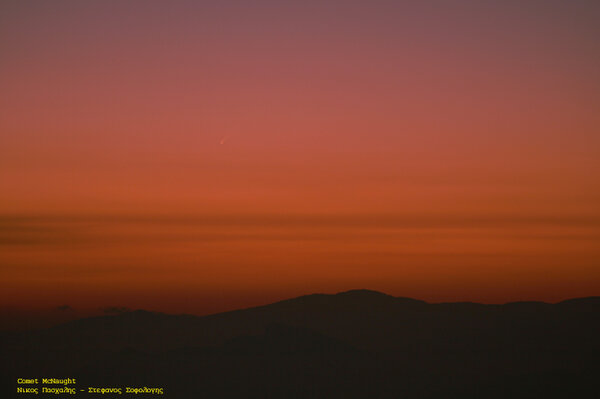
200	156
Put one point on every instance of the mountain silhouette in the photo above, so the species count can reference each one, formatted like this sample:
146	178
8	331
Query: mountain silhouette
355	344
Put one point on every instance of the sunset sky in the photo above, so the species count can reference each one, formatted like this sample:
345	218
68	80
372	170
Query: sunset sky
202	156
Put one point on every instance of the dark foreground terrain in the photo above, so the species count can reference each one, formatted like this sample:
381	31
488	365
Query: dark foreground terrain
356	344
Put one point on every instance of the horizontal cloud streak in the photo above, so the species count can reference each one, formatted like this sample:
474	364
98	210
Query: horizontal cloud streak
391	220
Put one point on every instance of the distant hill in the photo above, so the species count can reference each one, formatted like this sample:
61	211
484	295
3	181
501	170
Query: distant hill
355	344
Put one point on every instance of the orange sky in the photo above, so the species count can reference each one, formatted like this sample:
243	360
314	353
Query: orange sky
193	157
